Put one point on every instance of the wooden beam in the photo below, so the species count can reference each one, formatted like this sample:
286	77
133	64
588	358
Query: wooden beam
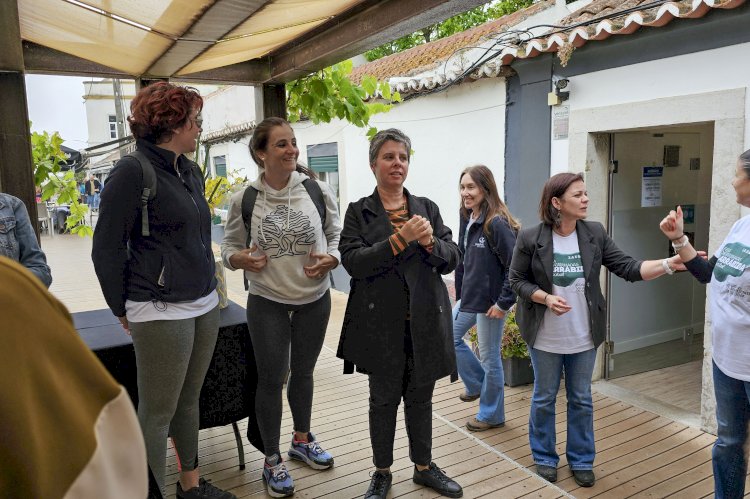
16	163
43	60
372	23
243	73
274	100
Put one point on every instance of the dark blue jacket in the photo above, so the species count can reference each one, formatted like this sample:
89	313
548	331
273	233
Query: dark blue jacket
482	275
175	263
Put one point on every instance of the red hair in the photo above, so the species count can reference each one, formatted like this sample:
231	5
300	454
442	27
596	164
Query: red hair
160	108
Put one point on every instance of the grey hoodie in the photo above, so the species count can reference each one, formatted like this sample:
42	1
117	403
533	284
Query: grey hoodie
286	226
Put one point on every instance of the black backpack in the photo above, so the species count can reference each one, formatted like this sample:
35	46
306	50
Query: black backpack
248	204
149	187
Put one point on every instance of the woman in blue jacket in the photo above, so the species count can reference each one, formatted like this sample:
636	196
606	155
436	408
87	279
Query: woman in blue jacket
486	240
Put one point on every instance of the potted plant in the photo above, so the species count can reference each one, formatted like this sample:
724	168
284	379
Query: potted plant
516	360
517	367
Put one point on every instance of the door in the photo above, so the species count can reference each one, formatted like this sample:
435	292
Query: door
658	323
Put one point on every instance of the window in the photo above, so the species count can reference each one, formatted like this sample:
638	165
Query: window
323	159
220	166
112	126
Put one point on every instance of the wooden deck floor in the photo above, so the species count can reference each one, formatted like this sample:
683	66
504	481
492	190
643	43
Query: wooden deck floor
639	454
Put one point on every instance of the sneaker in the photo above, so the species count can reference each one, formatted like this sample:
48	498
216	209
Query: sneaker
311	453
475	425
204	490
379	485
584	478
465	397
434	478
278	480
549	473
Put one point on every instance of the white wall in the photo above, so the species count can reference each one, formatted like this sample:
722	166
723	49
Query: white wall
700	72
100	104
450	130
226	107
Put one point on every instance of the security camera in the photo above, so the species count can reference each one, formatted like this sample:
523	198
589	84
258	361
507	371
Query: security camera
561	83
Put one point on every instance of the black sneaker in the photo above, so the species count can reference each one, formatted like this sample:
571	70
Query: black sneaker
379	485
434	478
204	490
584	478
549	473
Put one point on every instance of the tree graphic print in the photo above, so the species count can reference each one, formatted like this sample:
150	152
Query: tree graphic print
295	239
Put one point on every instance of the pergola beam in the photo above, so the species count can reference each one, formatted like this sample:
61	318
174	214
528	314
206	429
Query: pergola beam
370	24
44	60
16	163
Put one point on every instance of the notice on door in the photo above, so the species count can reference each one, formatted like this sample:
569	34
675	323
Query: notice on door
651	186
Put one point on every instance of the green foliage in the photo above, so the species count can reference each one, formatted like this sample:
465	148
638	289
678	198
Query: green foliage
456	24
330	94
512	345
217	189
47	157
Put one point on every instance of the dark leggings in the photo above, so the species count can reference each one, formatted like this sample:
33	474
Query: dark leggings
386	393
274	329
172	358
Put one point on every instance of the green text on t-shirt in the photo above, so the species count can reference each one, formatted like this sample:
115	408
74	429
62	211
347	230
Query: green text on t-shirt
566	269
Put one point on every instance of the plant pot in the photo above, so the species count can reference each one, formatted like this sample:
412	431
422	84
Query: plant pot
518	371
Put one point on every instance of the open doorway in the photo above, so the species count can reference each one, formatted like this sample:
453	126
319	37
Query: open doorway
656	328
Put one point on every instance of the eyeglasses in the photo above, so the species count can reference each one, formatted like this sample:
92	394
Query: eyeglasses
198	120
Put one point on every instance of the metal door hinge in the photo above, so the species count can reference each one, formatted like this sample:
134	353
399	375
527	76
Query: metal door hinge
609	347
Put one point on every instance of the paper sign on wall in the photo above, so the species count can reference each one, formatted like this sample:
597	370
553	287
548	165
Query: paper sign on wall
560	122
651	186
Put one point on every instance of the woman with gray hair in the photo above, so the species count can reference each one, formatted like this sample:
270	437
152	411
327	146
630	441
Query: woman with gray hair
397	327
726	273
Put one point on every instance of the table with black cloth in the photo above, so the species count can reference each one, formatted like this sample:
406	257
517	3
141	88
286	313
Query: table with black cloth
228	393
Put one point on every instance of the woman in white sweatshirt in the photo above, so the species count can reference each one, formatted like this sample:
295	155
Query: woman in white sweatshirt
286	250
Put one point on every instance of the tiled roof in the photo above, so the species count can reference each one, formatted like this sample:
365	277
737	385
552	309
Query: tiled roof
418	69
429	55
625	24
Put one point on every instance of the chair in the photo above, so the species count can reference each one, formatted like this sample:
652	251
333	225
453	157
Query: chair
45	219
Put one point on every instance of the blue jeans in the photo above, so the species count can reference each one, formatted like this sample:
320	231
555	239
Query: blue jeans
732	417
484	377
548	370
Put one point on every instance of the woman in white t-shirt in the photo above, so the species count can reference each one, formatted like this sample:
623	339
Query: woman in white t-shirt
729	300
561	313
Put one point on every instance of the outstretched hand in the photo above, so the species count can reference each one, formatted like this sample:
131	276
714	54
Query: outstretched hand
672	225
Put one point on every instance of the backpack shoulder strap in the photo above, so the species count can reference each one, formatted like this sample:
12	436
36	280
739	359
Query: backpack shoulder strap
248	203
149	188
316	194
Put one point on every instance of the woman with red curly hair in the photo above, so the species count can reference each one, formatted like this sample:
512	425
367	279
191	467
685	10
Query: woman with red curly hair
160	282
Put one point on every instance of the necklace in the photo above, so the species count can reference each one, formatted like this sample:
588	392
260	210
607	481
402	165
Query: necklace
560	233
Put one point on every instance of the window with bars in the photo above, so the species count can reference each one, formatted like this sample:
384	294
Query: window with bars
220	166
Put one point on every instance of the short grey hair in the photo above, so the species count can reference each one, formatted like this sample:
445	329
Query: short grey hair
382	137
745	161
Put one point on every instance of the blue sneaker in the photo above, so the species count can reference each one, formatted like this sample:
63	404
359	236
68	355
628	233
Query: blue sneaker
311	453
278	480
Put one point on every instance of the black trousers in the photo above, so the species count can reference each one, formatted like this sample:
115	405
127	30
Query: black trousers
386	393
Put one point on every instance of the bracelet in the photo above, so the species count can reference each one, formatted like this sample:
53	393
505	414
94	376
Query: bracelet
678	246
665	265
545	299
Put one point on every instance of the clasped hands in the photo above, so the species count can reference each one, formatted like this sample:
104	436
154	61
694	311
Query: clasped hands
324	263
417	229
